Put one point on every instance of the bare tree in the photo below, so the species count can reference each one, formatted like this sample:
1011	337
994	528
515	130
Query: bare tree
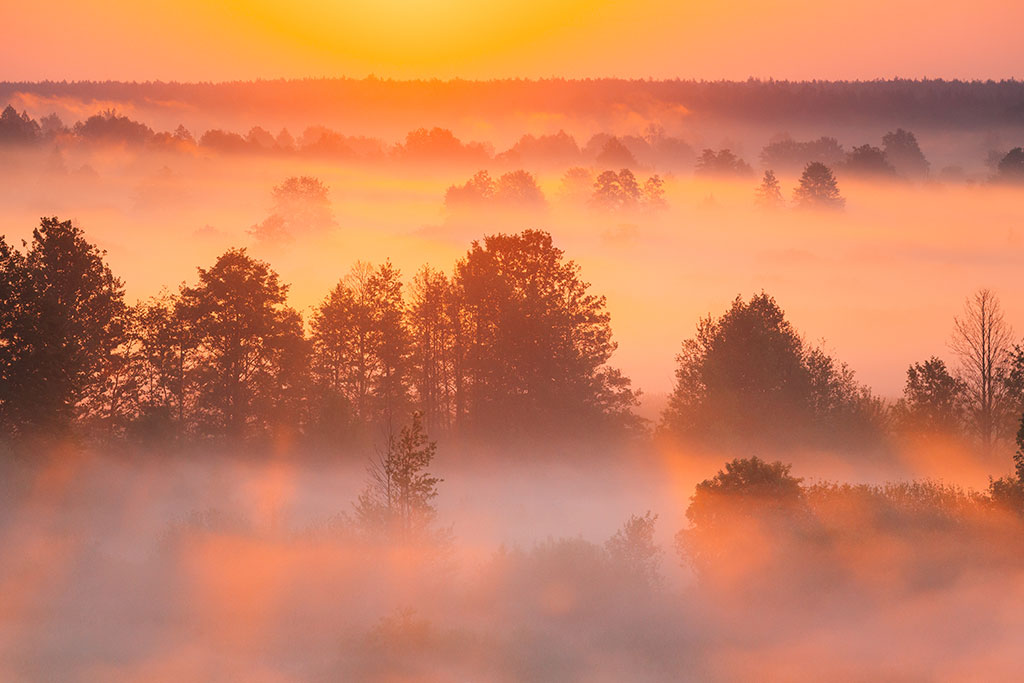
981	340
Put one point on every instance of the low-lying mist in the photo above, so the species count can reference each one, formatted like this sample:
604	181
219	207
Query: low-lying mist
215	566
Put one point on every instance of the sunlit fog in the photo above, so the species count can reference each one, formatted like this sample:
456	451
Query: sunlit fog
511	380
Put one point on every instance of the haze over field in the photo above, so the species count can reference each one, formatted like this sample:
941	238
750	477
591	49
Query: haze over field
505	343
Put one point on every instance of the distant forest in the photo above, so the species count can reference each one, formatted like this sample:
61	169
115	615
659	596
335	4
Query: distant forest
958	104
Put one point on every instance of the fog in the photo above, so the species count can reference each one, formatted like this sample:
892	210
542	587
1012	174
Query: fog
879	282
213	566
225	561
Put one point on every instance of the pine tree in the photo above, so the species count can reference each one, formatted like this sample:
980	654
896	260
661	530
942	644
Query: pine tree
769	193
818	188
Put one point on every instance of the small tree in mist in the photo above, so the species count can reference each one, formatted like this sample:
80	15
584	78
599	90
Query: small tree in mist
475	193
869	162
633	551
933	400
654	193
519	188
744	498
300	205
818	189
981	340
1010	168
768	194
721	164
397	501
903	152
614	191
577	184
614	153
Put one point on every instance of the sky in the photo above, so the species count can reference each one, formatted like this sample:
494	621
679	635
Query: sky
195	40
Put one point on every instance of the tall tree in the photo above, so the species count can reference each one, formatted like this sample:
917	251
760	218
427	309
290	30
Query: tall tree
433	321
749	375
361	346
63	321
981	340
249	344
534	343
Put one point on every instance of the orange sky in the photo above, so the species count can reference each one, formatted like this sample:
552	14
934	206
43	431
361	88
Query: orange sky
796	39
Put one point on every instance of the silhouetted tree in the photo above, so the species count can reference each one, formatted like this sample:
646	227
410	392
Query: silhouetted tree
518	188
614	153
64	318
300	205
398	501
932	398
736	507
1011	166
721	164
634	552
439	144
615	191
249	345
818	189
577	184
868	161
748	375
654	193
433	325
559	148
769	193
785	153
903	152
109	127
361	347
17	128
981	340
477	191
534	343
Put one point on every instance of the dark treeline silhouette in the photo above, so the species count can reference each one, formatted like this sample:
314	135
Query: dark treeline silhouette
900	156
512	342
748	376
963	104
653	149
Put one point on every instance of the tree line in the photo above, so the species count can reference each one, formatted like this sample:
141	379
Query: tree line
749	376
965	104
511	341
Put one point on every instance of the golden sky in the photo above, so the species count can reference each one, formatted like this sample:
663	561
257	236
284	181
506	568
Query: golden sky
735	39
